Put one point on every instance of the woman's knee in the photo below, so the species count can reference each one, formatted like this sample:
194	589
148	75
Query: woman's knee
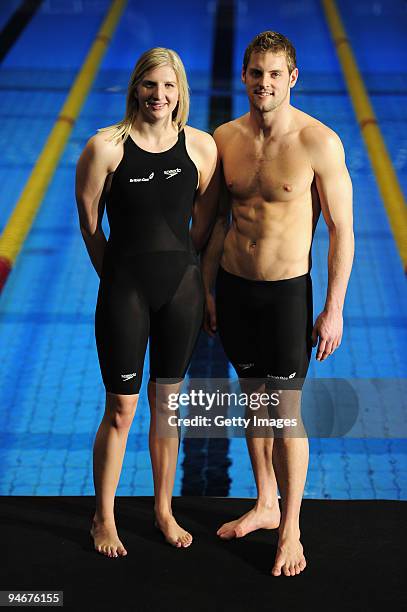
163	396
120	409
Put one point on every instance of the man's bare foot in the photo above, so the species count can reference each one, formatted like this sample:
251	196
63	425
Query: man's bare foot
173	533
290	557
259	517
106	539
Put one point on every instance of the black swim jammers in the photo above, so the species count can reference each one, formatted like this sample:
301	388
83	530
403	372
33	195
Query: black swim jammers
265	327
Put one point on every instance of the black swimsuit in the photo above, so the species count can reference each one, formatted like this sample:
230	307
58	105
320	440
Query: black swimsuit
150	286
266	326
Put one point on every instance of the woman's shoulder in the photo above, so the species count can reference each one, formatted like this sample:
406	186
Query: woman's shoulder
200	140
104	140
104	146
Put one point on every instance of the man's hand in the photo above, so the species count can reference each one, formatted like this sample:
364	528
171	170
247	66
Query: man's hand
328	328
209	323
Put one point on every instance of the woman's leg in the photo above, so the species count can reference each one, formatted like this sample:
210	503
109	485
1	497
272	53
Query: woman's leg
121	330
108	454
164	444
174	332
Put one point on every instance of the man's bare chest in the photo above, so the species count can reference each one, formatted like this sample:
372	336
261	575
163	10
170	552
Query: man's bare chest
275	174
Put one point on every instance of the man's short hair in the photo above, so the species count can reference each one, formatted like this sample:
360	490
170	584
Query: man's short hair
271	41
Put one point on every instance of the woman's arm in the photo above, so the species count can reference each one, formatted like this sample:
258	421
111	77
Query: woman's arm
205	156
93	167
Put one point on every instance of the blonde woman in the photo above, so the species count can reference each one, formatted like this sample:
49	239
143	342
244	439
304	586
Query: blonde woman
154	173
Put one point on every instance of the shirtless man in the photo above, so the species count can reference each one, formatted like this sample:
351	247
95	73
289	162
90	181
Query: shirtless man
281	167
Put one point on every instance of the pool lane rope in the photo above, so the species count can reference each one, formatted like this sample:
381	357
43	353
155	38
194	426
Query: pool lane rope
27	206
388	183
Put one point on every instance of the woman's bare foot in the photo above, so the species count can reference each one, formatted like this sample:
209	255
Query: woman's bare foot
106	539
290	556
259	517
173	533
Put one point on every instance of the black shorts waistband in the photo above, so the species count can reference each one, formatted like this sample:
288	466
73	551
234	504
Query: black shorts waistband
253	282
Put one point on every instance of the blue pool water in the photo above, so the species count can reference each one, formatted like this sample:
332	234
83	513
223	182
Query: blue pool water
51	393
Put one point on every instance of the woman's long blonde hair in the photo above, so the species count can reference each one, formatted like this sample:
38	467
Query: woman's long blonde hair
158	56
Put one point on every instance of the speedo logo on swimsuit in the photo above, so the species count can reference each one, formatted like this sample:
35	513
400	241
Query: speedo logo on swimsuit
141	180
171	173
128	376
245	366
282	377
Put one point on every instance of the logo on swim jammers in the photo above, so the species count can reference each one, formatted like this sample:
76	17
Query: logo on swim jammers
282	377
141	180
245	366
171	173
128	376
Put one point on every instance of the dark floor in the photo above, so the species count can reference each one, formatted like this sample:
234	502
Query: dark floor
354	549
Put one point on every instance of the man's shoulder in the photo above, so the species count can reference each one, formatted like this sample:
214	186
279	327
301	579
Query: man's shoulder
315	134
321	142
228	129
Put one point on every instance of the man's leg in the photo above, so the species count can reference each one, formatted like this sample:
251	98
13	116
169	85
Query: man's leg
291	332
237	330
266	512
290	459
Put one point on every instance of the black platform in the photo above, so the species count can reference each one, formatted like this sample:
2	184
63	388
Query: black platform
355	552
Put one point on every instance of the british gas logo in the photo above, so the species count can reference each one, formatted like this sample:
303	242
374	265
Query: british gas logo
142	180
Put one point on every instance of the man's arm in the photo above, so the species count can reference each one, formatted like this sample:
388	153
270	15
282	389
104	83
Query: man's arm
206	198
335	192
